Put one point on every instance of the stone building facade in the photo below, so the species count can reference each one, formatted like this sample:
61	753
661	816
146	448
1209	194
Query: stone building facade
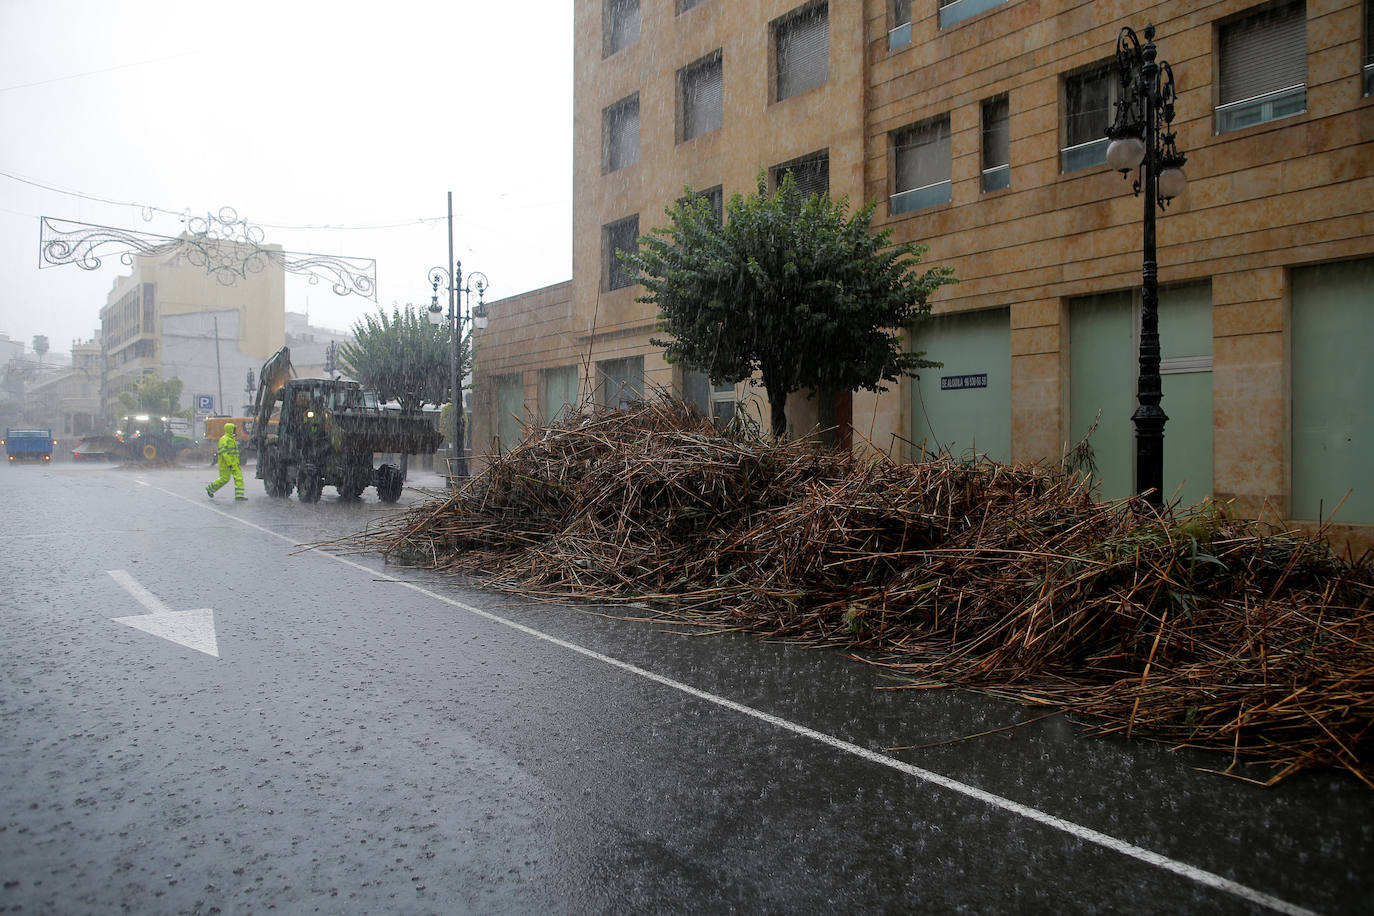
977	125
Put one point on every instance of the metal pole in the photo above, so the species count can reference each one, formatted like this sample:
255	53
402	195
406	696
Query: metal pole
218	373
455	387
1149	417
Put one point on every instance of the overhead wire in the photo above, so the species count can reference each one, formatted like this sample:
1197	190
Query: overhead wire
146	209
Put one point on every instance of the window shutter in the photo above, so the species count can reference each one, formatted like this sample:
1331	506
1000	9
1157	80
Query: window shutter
622	134
621	26
803	52
1264	53
702	94
619	236
811	174
1089	99
996	133
923	155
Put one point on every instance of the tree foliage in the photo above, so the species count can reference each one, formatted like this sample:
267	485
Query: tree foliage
155	395
403	357
787	287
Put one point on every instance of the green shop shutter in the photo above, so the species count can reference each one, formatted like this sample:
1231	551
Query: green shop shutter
1333	392
965	406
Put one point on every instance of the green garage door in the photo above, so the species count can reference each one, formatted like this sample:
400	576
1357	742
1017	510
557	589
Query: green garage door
1104	357
557	393
510	410
1333	391
965	406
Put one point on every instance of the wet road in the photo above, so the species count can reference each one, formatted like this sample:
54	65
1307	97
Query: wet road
353	739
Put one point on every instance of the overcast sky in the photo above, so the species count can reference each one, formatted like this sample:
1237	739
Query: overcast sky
299	114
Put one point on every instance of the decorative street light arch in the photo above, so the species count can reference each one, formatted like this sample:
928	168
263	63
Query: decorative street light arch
1142	138
227	247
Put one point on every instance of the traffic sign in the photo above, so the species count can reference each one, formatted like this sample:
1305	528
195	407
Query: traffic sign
205	403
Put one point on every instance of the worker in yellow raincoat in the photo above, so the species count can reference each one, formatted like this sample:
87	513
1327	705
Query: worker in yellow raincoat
228	453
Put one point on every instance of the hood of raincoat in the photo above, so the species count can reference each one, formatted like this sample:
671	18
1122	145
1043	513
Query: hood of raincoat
228	429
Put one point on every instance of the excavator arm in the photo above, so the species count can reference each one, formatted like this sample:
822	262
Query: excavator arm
273	376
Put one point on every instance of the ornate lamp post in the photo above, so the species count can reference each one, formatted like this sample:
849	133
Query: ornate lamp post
1142	139
477	282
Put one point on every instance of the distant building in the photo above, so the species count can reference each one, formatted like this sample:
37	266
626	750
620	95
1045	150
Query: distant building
67	399
311	352
169	317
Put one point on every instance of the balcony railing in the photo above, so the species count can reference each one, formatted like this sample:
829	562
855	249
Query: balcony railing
941	192
1281	103
899	37
1083	155
997	178
959	10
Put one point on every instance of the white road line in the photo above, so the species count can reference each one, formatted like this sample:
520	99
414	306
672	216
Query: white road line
1078	831
144	597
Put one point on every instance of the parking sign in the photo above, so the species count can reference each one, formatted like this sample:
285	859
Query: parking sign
205	403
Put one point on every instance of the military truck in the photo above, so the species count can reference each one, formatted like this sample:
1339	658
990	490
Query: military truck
310	433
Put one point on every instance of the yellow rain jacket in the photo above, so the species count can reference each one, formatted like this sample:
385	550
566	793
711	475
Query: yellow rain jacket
228	452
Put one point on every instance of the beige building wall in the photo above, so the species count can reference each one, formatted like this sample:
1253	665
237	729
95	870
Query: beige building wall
524	335
756	133
1261	200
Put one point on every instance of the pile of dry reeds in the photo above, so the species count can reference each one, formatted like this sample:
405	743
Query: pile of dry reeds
1202	630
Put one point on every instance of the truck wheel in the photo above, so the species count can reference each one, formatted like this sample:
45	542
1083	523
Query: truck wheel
309	484
149	451
274	477
389	482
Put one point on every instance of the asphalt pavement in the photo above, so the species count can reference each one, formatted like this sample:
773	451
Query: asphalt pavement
203	710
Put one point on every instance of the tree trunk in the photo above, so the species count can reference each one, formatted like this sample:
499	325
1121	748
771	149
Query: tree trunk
777	404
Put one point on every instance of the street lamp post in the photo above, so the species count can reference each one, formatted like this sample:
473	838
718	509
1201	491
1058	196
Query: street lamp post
476	282
1142	138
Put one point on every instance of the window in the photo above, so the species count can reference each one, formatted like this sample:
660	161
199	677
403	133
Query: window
716	401
619	25
1369	47
1263	67
1089	100
811	173
899	36
920	156
620	382
620	134
557	393
699	93
622	235
801	50
952	11
996	144
510	410
714	198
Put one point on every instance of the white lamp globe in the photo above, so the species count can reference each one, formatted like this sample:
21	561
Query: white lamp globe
1172	183
1125	153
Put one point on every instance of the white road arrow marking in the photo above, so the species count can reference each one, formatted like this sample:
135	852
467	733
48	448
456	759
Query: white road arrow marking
192	629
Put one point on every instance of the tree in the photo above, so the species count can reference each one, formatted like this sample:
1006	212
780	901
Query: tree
786	287
403	357
154	395
40	346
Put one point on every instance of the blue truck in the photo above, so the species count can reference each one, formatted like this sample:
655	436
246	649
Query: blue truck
28	444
